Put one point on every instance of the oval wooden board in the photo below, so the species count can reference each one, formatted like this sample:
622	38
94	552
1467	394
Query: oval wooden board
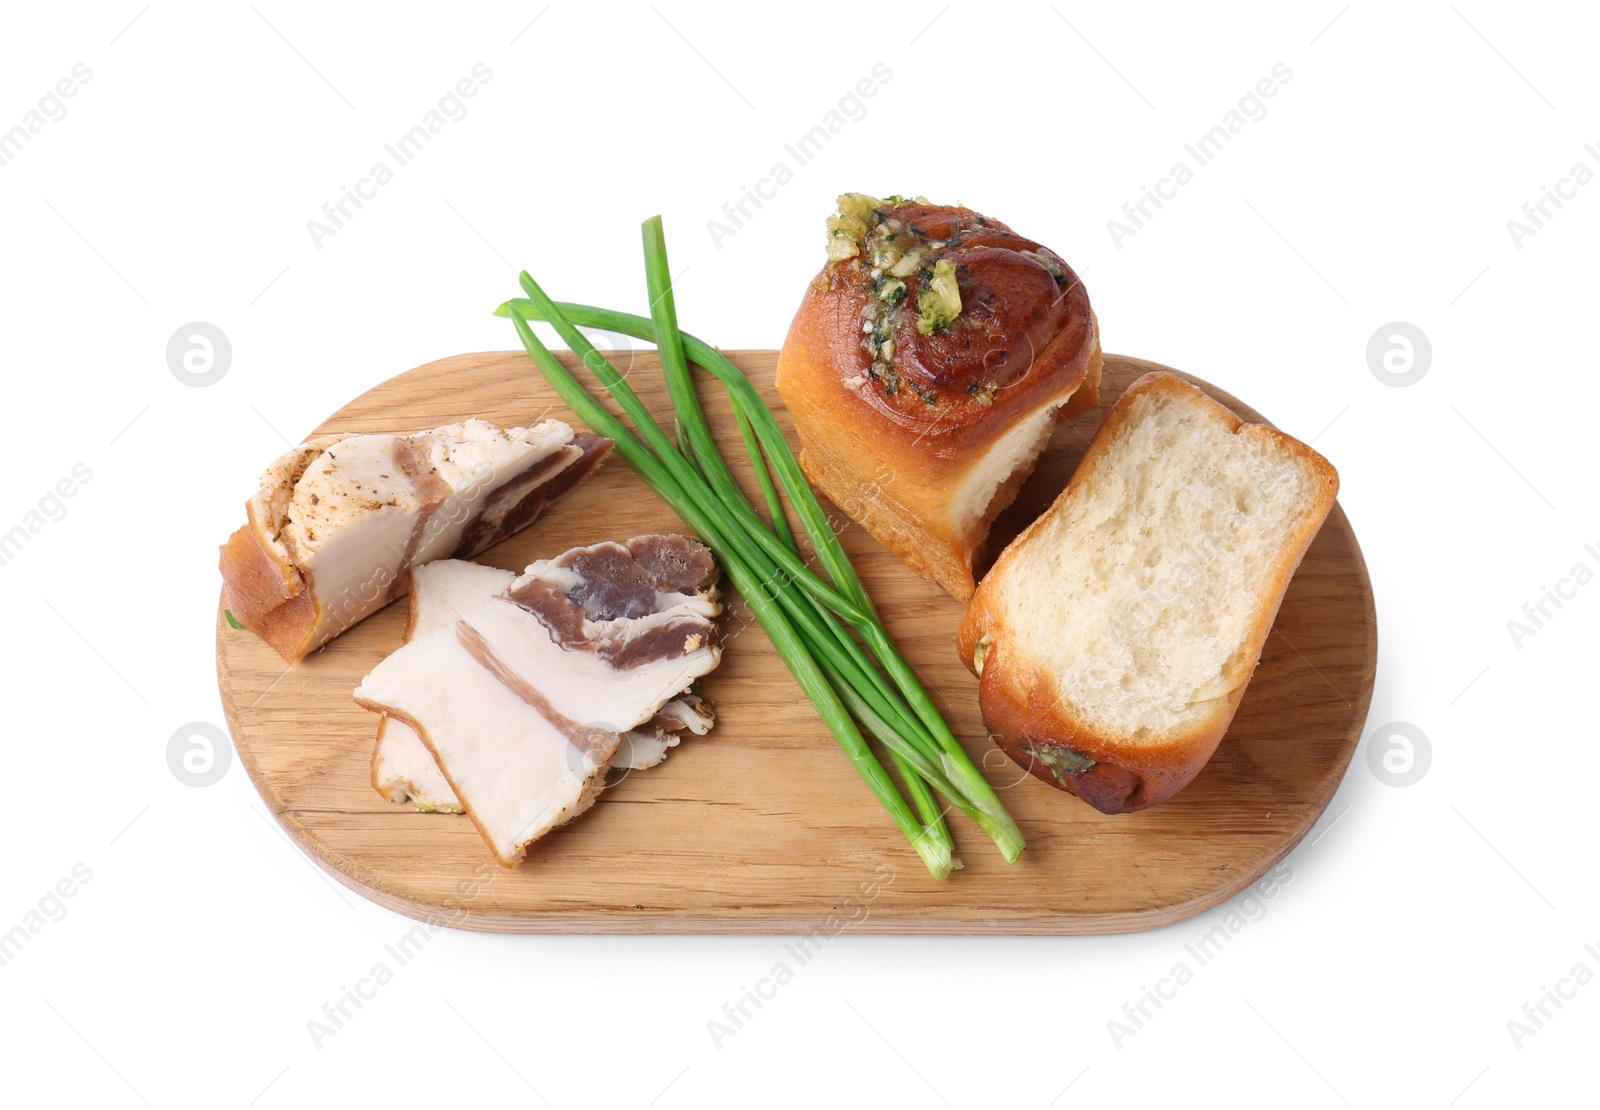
763	826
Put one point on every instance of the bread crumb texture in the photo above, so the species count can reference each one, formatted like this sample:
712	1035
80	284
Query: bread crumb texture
1142	593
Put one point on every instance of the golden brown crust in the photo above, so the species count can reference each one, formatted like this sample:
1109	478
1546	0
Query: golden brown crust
892	442
265	594
1087	395
1042	736
1037	729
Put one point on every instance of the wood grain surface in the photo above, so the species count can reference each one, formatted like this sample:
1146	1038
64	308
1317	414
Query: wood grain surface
763	826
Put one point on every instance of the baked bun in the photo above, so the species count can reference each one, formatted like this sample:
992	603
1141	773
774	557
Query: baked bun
926	367
1114	639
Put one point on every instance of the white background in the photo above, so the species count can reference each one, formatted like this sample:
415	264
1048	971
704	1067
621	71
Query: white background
1377	188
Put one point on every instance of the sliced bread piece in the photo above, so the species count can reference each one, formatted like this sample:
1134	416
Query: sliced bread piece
1115	637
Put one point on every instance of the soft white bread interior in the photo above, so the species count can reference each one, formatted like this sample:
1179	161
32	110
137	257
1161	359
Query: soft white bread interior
1115	637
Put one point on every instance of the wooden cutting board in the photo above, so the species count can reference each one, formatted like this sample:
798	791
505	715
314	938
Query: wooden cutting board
763	826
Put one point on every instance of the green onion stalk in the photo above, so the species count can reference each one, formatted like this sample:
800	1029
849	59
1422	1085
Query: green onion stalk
764	561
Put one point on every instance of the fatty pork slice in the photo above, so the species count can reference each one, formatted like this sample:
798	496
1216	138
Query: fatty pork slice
404	770
518	773
338	523
523	701
646	746
620	622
